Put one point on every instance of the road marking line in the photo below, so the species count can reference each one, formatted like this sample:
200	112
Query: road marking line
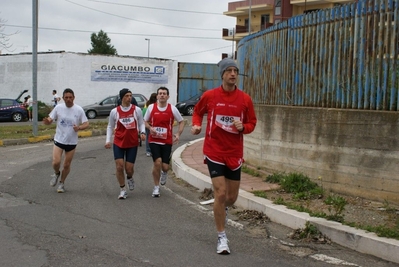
22	148
331	260
204	210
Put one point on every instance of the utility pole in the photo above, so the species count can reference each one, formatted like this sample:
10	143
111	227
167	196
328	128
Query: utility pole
233	43
34	64
148	54
249	19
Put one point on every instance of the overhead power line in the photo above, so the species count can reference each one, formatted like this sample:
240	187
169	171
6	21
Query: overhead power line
159	8
199	52
152	23
118	33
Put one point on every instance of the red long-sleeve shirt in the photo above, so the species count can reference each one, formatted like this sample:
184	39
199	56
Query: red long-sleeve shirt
221	137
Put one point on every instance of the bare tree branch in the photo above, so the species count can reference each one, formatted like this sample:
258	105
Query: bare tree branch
5	37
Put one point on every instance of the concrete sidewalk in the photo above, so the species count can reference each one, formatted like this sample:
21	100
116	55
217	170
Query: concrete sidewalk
187	164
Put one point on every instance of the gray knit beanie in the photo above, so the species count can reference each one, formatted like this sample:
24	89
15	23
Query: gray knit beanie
225	63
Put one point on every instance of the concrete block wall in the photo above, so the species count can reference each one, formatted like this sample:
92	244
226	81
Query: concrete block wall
352	152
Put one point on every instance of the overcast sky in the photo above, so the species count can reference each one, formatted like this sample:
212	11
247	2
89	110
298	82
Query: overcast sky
182	30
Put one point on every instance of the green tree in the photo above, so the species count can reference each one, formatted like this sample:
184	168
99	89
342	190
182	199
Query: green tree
101	44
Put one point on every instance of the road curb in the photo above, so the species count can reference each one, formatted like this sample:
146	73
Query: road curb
355	239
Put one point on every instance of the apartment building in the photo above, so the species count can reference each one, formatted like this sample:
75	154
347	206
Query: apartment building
256	15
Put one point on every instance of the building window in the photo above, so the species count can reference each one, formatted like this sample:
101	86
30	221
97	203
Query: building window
247	24
264	20
277	7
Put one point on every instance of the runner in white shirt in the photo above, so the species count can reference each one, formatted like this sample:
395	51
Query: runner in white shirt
56	99
70	119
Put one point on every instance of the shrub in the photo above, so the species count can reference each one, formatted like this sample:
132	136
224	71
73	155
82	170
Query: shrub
43	110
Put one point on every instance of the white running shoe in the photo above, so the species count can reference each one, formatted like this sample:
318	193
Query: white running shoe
130	184
54	180
155	192
61	188
148	154
164	176
222	247
122	194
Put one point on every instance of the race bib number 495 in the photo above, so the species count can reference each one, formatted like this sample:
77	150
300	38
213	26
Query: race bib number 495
227	123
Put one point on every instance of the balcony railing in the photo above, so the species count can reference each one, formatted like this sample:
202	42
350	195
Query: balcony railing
240	30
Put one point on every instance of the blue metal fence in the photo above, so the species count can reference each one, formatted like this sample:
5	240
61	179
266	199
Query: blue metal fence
344	57
195	78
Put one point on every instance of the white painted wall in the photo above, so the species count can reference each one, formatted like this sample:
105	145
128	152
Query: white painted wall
60	70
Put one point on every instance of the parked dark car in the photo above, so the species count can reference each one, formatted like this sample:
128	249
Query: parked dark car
187	107
12	109
104	107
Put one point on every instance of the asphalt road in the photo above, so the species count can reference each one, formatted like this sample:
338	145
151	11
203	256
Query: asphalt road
89	226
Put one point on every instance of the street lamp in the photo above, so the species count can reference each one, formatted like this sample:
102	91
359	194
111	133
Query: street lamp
148	40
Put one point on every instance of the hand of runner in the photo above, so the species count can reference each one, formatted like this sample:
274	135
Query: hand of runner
195	129
176	139
239	125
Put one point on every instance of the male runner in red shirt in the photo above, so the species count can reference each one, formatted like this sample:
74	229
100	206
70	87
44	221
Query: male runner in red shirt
125	122
159	119
230	115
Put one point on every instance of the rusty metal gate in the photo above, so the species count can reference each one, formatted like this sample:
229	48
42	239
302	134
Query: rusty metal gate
194	78
345	57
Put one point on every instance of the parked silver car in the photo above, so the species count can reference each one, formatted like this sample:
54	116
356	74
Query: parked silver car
104	107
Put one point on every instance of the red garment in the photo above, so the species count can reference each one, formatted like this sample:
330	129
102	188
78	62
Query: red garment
126	133
222	138
162	122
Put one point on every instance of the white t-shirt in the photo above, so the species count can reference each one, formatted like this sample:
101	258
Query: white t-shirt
66	119
56	102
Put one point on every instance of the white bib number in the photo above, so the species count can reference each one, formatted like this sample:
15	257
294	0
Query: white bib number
128	123
162	133
227	123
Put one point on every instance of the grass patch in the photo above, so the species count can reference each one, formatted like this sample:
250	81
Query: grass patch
26	131
250	171
275	177
260	193
303	191
381	230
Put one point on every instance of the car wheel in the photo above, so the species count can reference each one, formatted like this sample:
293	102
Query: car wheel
190	110
17	117
91	114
